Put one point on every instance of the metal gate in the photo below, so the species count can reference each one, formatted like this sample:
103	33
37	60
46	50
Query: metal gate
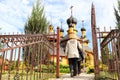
110	54
26	57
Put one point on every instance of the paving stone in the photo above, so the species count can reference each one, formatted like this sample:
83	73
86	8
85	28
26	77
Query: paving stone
82	76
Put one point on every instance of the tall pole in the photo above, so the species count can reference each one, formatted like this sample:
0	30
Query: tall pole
58	53
94	41
84	54
83	47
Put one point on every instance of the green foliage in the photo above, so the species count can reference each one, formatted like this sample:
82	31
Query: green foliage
64	69
48	68
104	55
106	76
45	68
12	66
37	22
90	69
103	78
103	67
117	15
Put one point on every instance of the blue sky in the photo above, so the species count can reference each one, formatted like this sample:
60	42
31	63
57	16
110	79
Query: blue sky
14	14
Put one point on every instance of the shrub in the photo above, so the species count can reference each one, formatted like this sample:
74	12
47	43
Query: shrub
103	78
90	69
64	69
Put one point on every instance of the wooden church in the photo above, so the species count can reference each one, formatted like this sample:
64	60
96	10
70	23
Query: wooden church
72	32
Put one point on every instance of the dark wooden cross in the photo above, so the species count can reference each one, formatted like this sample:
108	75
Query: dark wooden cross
82	23
71	9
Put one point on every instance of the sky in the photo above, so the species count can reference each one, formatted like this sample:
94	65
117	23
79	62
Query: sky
14	14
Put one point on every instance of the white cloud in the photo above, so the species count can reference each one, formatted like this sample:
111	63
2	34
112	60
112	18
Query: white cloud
82	11
9	29
105	13
14	13
25	1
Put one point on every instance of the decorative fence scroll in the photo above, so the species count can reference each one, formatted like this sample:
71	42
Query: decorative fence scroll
26	57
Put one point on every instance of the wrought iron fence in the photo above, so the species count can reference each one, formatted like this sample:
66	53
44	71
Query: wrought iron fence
26	57
110	55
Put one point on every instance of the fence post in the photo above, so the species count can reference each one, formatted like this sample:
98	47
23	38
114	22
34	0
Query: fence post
58	53
119	55
2	65
94	42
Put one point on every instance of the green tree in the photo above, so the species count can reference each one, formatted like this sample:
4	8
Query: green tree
37	22
117	15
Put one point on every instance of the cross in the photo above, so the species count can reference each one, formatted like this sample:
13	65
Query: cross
61	24
83	23
71	9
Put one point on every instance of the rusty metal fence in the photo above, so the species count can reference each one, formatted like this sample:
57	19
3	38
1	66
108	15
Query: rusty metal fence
110	55
26	57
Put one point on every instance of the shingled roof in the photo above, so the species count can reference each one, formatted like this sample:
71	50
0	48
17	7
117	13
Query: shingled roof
86	48
62	53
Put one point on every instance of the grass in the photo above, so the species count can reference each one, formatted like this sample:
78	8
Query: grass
25	76
107	76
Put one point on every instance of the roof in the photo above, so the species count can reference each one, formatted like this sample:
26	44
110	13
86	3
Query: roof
66	37
62	53
62	50
86	48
